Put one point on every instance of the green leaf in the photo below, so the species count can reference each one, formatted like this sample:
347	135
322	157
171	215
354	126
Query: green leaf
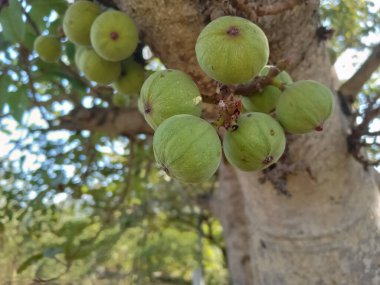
12	22
18	102
29	262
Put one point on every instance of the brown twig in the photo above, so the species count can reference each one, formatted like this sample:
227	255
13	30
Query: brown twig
31	21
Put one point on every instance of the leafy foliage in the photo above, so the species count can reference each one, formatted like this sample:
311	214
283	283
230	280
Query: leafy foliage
82	206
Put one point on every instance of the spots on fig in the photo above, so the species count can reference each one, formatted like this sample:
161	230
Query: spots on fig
162	75
114	36
233	31
272	133
319	128
249	115
267	160
147	108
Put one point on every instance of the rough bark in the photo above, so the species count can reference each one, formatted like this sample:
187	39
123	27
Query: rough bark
327	232
228	206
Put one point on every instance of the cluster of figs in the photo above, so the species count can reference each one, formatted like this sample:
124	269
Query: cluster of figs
231	50
105	43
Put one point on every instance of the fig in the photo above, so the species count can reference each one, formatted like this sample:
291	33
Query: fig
114	35
131	79
232	50
264	101
187	148
282	78
48	48
98	69
258	142
78	53
121	100
167	93
78	20
304	106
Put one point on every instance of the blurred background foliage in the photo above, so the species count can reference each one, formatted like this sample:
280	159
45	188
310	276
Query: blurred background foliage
87	208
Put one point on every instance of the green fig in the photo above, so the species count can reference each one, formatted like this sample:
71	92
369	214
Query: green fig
304	106
98	69
114	35
121	100
167	93
131	79
258	142
48	48
78	20
232	50
282	78
140	106
78	53
187	148
265	101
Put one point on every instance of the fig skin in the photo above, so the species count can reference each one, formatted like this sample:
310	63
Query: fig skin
98	69
258	142
114	35
304	106
282	78
48	48
264	101
78	53
187	148
121	100
131	79
232	50
167	93
78	20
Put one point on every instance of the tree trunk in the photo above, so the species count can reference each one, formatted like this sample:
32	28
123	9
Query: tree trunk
327	231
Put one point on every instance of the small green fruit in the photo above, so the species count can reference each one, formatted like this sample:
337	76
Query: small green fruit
140	106
282	78
114	35
187	148
131	79
258	142
304	106
232	50
98	69
78	53
78	20
121	100
264	101
167	93
48	48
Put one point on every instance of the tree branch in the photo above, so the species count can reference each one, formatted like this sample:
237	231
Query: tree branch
351	88
112	121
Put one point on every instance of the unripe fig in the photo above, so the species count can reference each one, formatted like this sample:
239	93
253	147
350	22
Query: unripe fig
140	106
282	78
48	48
264	101
258	142
78	53
304	106
131	79
187	148
167	93
78	20
98	69
121	100
114	35
232	50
